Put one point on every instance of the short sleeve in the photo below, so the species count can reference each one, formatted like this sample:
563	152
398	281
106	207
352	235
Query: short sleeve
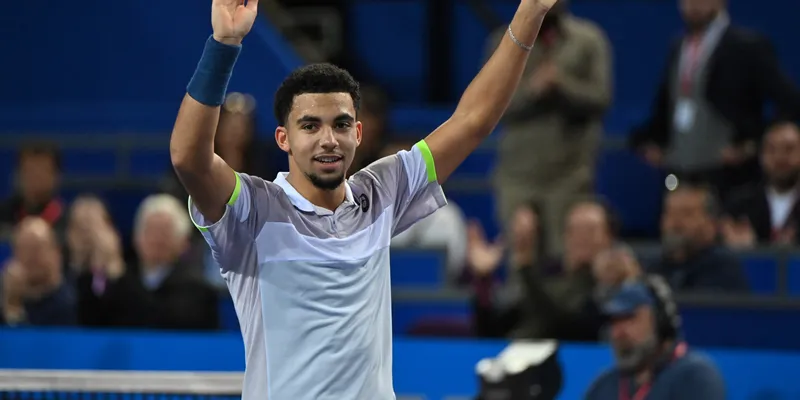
409	179
239	224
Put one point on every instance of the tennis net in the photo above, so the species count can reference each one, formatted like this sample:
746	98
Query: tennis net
118	385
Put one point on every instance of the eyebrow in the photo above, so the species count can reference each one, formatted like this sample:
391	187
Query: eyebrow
344	117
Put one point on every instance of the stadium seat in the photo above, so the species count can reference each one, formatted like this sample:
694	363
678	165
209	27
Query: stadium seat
761	268
793	275
418	269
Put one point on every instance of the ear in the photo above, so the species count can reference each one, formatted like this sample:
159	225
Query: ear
358	133
282	139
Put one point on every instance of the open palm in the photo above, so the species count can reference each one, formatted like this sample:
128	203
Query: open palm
232	19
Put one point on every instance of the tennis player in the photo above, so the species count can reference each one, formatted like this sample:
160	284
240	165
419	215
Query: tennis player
306	257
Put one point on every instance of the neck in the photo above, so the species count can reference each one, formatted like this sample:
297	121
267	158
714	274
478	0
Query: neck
663	355
643	376
783	189
328	199
699	29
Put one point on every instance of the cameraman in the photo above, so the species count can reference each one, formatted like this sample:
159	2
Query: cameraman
653	363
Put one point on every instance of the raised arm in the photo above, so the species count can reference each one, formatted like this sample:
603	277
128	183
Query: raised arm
487	97
207	178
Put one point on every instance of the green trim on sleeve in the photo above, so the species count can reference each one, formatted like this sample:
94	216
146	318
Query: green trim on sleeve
237	190
430	166
191	217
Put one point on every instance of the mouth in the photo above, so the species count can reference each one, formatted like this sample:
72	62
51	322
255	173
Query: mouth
329	160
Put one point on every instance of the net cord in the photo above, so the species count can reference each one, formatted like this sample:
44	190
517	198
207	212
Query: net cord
206	383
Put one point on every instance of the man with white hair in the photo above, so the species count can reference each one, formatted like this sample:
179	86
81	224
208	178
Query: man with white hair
159	292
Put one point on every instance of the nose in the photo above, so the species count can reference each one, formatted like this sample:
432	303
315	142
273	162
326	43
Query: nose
328	140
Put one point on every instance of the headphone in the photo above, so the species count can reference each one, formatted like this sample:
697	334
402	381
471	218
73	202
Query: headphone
668	319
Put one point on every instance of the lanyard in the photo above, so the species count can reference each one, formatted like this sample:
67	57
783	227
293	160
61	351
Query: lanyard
696	50
692	61
640	394
644	390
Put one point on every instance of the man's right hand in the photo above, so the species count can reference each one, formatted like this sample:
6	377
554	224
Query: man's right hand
232	19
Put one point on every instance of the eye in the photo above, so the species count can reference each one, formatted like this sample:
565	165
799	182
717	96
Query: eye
343	125
308	127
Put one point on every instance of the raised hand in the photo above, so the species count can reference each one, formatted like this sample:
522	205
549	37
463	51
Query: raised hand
546	4
232	19
483	257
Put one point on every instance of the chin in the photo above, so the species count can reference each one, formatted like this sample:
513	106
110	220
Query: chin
328	181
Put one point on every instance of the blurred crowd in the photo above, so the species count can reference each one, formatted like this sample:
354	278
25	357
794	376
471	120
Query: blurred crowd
722	130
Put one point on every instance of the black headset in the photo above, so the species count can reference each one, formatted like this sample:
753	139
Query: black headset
667	316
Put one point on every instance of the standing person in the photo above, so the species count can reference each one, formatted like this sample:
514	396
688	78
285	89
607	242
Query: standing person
554	124
306	257
708	115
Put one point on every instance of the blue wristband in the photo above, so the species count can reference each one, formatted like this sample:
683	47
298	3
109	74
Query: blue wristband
210	80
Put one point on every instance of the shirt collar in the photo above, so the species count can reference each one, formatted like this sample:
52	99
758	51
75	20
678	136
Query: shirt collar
301	202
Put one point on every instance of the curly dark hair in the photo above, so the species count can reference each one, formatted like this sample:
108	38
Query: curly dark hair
314	78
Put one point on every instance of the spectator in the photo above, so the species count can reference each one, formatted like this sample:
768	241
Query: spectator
558	296
34	289
79	233
652	361
374	117
767	213
39	172
692	259
554	123
708	115
157	293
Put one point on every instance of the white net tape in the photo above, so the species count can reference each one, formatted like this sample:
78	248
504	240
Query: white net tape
206	383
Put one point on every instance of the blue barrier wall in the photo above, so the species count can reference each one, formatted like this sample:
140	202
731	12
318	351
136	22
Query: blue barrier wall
434	369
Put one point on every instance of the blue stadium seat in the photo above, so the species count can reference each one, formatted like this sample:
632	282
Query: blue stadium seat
633	190
5	253
479	164
762	271
793	275
149	162
478	206
92	162
418	269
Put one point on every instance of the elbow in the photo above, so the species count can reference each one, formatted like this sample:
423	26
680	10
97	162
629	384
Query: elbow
188	160
180	157
476	124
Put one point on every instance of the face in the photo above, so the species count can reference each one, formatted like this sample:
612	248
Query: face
586	233
38	177
39	254
697	14
157	241
685	221
780	156
633	339
321	136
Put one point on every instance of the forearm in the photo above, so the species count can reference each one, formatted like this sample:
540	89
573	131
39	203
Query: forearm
205	176
489	94
192	141
487	97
